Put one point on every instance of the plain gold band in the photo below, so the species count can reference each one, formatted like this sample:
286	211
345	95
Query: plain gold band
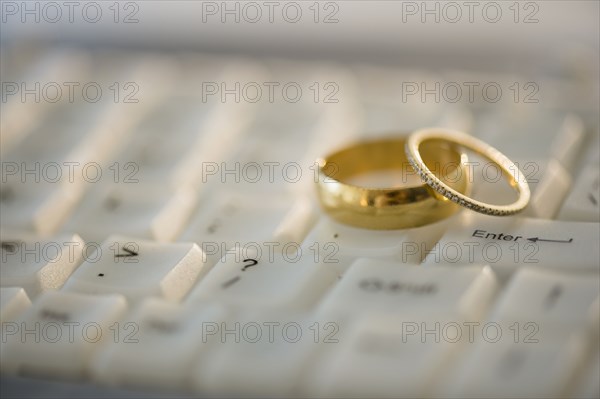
515	177
394	207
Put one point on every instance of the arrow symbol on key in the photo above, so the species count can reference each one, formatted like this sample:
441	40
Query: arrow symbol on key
129	253
536	239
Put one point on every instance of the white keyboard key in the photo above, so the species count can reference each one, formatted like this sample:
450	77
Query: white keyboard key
392	102
262	354
13	301
339	122
195	69
297	119
521	132
222	131
374	286
61	167
297	222
41	183
509	242
341	244
378	359
87	134
541	369
38	264
550	192
111	127
25	109
259	168
152	157
132	210
84	135
583	202
545	296
384	89
225	125
231	219
138	269
457	118
57	335
404	118
296	149
69	127
157	345
275	163
568	144
38	207
264	279
490	184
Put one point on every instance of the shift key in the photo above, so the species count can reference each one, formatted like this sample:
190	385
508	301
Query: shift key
511	242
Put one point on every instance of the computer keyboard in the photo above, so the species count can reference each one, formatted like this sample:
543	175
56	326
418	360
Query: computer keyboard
161	234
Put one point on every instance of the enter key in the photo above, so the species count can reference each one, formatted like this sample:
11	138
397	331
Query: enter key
508	243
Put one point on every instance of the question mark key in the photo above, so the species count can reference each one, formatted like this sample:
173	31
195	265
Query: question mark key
245	279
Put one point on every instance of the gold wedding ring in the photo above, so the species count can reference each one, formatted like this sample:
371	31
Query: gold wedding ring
408	204
516	178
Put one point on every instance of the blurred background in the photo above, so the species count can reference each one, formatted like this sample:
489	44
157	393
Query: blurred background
494	35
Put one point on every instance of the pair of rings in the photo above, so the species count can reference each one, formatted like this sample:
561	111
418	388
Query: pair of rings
436	180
